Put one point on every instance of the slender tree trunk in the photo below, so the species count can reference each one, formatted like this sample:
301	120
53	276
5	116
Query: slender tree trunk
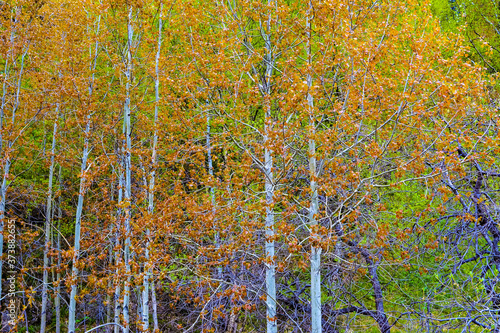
116	296
139	302
109	305
121	186
57	301
78	220
128	174
272	326
81	194
155	307
147	275
109	298
143	294
117	308
74	271
270	266
313	209
52	240
47	233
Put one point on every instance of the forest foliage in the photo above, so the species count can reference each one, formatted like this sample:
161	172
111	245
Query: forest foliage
249	166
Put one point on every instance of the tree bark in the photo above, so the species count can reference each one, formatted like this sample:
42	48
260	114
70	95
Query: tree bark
128	174
148	272
48	222
81	194
313	209
57	301
121	186
272	326
76	249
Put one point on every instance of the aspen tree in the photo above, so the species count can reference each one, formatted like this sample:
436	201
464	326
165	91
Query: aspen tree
81	194
48	228
128	171
272	326
74	272
313	209
57	297
151	189
117	291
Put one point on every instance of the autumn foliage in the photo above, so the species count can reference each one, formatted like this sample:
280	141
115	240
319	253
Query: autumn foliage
239	166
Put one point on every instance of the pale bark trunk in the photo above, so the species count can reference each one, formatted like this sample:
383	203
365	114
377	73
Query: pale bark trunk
117	308
145	289
154	305
74	271
108	297
121	185
143	296
272	326
128	175
270	264
147	276
138	293
81	194
47	233
313	209
57	301
109	303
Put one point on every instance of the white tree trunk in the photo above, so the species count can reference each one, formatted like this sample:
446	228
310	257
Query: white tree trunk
143	295
272	326
147	275
109	304
315	251
48	222
78	220
121	186
154	305
81	194
270	264
57	301
117	308
128	174
109	298
313	209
